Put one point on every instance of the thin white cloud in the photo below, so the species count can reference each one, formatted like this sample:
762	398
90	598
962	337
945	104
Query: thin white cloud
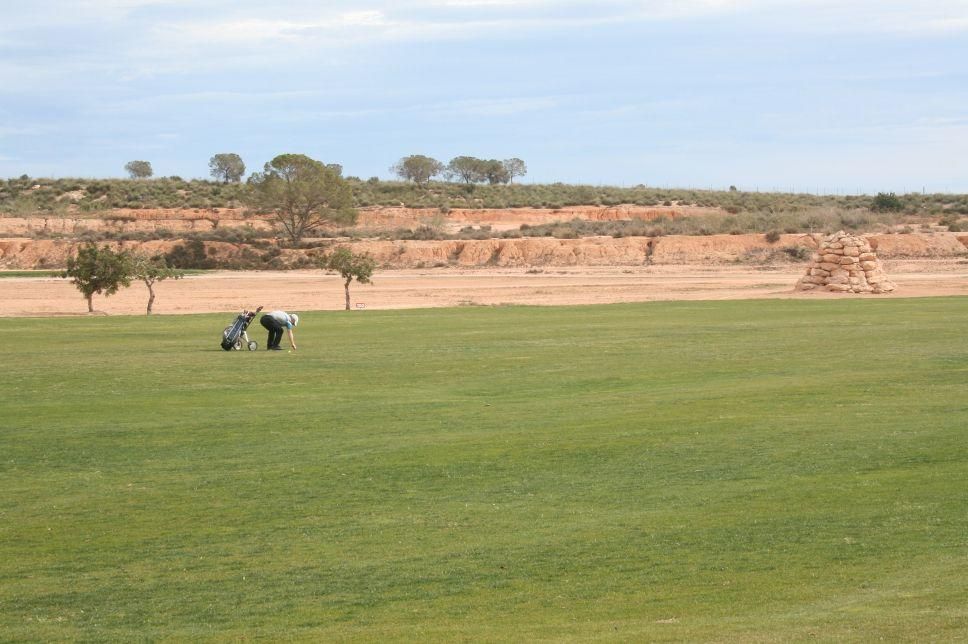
463	4
900	17
250	23
919	25
936	130
492	107
120	5
66	13
250	32
941	121
10	131
205	99
478	19
497	106
255	31
349	29
302	105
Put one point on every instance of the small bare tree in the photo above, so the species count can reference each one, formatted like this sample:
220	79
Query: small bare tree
350	266
514	168
151	270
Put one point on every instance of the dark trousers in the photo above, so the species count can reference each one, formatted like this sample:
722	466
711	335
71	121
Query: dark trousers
275	330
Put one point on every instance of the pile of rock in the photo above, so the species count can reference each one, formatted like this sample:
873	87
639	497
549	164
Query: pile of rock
845	264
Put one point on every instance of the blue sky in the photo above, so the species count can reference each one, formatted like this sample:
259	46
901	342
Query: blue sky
809	95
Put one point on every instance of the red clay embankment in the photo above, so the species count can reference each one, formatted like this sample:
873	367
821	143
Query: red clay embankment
530	252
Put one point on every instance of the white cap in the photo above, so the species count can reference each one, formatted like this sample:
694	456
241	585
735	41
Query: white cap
294	318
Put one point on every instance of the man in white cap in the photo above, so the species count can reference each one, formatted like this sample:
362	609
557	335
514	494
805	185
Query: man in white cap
275	322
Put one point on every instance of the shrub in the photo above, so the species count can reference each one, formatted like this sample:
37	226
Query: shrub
886	202
798	253
426	232
189	255
852	221
953	223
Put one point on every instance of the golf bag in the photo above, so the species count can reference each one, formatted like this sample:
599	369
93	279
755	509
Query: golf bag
234	336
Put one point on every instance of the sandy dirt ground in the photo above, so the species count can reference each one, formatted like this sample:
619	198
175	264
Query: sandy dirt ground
444	287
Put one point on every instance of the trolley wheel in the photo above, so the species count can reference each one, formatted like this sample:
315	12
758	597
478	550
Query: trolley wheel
253	345
238	345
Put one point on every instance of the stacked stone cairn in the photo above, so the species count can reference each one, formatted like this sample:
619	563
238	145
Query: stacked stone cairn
845	264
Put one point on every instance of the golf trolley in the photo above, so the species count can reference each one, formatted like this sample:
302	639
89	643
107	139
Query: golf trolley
235	337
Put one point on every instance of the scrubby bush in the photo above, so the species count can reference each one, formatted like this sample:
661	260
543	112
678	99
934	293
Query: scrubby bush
798	253
954	223
188	255
886	202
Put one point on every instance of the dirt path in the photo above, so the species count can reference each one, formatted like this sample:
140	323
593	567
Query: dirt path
443	287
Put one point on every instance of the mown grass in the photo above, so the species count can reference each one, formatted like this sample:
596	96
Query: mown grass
729	471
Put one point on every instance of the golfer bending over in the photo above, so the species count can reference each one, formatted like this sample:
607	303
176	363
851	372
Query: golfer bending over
275	322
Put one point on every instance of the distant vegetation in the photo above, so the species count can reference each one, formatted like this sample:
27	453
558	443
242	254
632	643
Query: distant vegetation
227	167
138	169
736	212
771	226
464	169
818	220
417	168
25	195
302	194
887	202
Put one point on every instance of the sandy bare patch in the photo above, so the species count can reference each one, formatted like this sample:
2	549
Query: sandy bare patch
446	287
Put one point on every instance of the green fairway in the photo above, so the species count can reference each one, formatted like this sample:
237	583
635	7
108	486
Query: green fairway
734	471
